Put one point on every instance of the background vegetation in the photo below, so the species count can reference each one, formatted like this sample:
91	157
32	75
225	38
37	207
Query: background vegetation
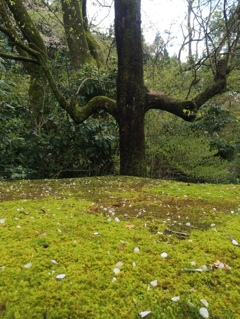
47	143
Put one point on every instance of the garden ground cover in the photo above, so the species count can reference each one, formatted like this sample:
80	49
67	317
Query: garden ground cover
119	247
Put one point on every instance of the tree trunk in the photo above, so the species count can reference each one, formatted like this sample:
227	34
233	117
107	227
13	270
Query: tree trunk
130	88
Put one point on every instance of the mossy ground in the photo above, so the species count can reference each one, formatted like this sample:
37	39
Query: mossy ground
72	222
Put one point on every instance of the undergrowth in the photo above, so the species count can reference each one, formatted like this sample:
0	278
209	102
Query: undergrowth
107	236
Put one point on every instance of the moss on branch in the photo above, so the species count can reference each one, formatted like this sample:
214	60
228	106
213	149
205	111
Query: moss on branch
80	114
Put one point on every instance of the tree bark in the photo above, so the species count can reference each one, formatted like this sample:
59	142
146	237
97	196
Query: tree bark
130	88
75	33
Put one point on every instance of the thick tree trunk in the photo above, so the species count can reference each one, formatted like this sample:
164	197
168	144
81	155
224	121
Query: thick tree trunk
130	89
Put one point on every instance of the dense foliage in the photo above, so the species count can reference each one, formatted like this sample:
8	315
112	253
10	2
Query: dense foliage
41	143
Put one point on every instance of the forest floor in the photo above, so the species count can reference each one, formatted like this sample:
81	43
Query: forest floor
119	247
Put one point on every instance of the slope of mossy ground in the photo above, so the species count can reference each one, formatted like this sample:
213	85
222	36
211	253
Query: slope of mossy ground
82	228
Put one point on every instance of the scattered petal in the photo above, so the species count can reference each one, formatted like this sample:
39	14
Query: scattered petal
164	255
116	271
119	264
96	233
2	220
27	266
175	298
193	263
60	276
54	261
18	226
114	279
204	302
188	224
204	312
144	313
234	242
212	225
154	283
136	250
117	219
134	264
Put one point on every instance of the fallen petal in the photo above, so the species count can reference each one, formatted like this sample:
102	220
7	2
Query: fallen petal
119	264
154	283
175	298
144	313
60	276
54	261
234	242
117	219
27	266
116	271
204	302
2	220
204	312
164	255
136	249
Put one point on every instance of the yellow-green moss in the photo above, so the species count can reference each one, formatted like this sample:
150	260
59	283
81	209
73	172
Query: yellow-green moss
73	223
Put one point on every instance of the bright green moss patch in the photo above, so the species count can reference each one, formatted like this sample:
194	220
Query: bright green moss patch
77	227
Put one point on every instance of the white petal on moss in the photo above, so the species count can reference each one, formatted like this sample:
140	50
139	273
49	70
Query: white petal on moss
2	220
204	302
175	298
204	312
221	266
54	261
60	276
119	264
188	224
116	271
164	255
117	219
134	264
144	314
154	283
114	279
27	266
136	250
234	242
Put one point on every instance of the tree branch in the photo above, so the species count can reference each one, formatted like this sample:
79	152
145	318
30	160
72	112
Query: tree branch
218	86
18	58
187	110
80	114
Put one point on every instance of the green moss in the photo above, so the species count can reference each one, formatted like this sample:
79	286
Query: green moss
73	223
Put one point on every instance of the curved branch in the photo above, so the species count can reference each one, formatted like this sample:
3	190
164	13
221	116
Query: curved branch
218	86
80	114
187	110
